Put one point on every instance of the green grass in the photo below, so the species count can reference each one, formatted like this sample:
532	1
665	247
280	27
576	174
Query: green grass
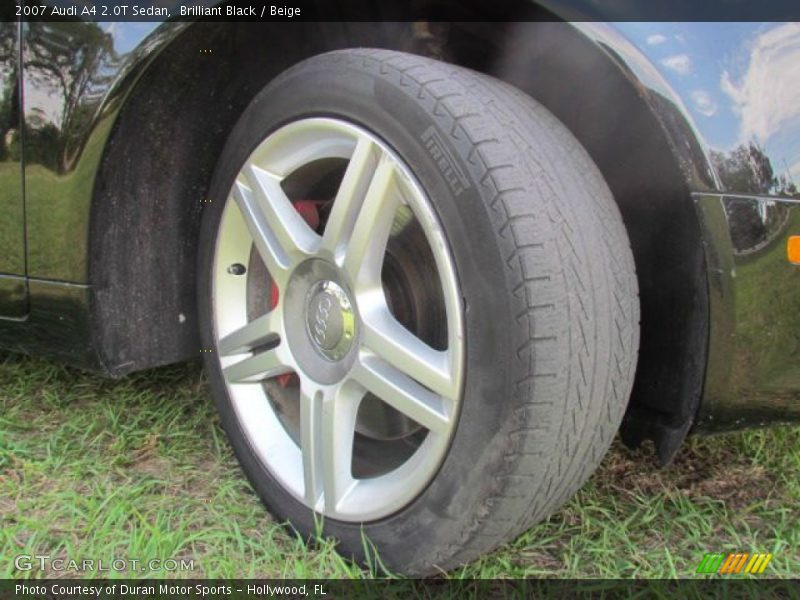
11	229
139	468
767	311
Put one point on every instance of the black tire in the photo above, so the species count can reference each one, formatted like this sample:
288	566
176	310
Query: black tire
545	267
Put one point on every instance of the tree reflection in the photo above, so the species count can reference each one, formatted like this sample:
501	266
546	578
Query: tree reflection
9	93
67	61
753	223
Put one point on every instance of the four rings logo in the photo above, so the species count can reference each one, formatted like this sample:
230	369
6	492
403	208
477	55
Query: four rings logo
734	563
319	329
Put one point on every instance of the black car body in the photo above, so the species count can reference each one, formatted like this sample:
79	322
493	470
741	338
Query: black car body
111	131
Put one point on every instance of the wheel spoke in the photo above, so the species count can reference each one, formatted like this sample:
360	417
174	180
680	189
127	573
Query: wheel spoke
310	437
402	393
290	149
327	424
257	368
383	335
363	255
350	197
258	332
280	234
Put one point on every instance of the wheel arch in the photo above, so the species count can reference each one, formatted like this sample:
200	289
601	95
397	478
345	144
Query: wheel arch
145	217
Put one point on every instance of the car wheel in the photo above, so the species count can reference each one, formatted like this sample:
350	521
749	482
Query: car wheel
421	305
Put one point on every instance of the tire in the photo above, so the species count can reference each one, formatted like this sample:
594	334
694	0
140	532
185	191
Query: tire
547	295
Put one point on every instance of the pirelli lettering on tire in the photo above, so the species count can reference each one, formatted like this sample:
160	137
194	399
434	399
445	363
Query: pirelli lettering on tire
444	161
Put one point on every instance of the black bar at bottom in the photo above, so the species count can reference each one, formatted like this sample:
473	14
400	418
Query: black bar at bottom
75	589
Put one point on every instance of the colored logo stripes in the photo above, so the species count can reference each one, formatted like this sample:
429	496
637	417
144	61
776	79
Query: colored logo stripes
741	562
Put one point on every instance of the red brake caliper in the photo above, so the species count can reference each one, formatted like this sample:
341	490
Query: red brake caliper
308	209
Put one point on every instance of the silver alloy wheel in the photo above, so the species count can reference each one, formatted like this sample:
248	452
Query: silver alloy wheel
332	324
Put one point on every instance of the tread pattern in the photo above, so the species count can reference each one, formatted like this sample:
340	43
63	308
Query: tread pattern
572	283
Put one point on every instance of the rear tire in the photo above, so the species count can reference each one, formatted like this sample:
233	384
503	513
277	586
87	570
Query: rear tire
549	307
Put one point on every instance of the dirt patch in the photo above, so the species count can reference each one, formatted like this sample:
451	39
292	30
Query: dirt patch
737	487
542	560
7	506
153	466
699	472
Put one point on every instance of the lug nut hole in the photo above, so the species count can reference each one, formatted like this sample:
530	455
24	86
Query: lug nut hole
237	269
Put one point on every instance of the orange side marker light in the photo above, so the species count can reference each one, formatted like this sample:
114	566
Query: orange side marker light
793	249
